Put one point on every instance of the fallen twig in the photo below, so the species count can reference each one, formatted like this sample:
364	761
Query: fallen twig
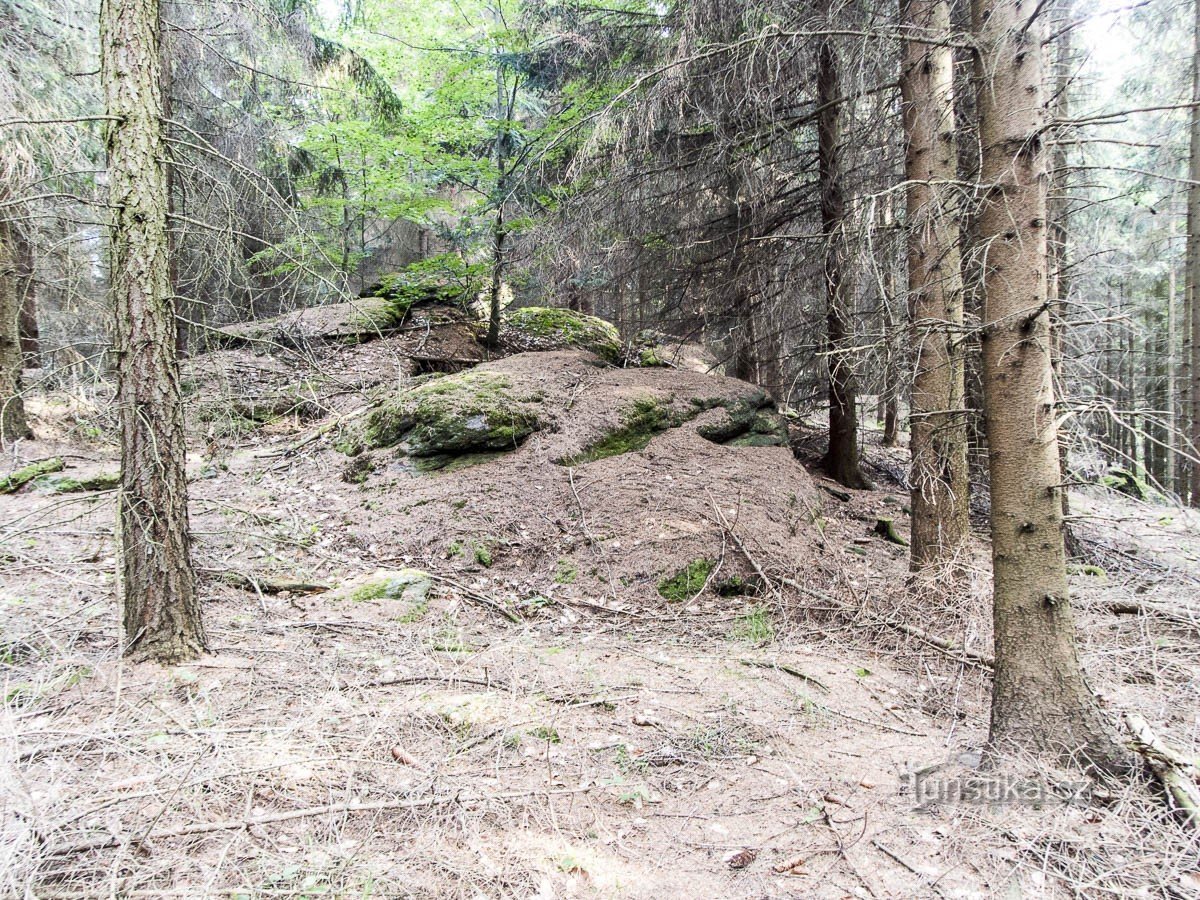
1177	772
478	597
308	812
784	667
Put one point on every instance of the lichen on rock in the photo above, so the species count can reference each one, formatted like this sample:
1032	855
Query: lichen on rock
469	412
750	421
409	585
552	328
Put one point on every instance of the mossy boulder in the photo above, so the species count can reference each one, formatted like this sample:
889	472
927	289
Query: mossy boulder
750	421
1125	482
469	412
551	328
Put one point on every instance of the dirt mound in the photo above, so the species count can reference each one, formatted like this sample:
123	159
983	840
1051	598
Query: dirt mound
619	483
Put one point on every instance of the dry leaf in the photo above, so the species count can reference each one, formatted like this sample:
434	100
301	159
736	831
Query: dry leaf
742	858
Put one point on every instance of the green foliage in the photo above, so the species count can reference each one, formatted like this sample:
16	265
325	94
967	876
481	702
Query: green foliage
565	571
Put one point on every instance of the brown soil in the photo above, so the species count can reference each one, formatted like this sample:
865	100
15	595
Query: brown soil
607	744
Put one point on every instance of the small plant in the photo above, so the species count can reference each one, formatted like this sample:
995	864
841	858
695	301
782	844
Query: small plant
565	571
755	627
483	555
546	733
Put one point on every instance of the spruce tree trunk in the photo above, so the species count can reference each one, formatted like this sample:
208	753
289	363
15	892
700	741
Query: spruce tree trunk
1058	211
1192	268
841	459
935	285
1041	701
13	425
158	586
889	400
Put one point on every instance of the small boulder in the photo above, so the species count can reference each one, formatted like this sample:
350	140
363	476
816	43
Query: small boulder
552	328
409	585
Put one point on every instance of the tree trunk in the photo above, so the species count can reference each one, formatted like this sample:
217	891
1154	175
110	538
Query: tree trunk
938	417
1057	212
158	585
13	425
1040	701
841	459
499	230
1192	267
889	399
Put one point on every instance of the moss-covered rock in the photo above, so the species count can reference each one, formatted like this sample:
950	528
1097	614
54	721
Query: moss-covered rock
750	421
469	412
410	585
1125	482
66	484
551	328
640	422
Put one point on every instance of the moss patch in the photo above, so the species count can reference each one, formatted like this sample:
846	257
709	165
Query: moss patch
687	582
24	475
469	412
640	422
550	328
1125	482
409	585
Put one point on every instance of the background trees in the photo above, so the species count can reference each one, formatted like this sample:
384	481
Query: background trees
730	174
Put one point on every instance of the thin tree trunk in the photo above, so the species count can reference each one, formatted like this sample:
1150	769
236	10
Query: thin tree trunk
27	292
890	391
939	438
1059	231
13	424
1040	700
499	231
1171	385
1192	266
158	585
841	459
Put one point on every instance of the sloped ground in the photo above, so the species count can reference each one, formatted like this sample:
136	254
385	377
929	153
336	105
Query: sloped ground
608	743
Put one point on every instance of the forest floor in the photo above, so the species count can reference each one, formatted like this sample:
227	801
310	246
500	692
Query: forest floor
544	723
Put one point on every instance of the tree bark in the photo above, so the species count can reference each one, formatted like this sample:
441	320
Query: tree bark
841	459
1041	701
13	424
935	285
158	585
1192	268
1057	213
